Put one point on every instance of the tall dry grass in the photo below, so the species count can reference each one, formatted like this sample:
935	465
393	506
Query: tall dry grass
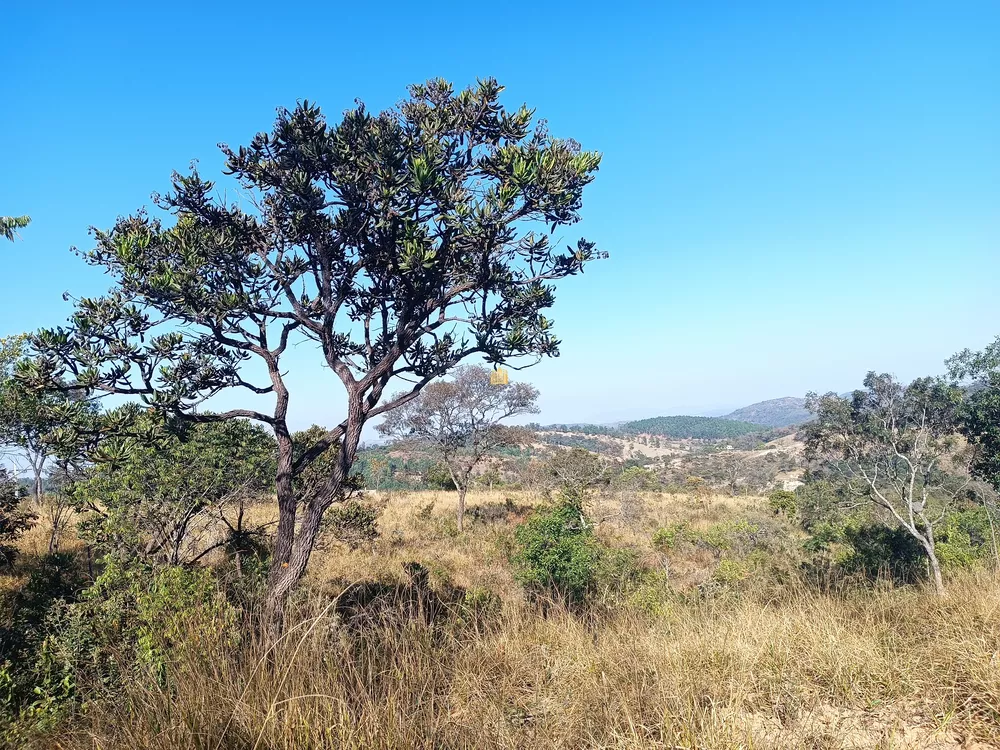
767	668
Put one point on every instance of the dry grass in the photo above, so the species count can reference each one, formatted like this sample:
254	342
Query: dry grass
878	668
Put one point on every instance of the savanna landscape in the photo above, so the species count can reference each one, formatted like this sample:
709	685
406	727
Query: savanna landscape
288	466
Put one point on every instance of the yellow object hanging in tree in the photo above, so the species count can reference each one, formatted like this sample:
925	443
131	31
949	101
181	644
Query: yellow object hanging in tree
499	376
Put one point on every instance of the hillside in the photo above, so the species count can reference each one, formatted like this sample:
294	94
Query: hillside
775	412
702	428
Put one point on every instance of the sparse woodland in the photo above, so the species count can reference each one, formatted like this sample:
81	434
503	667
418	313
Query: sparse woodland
174	576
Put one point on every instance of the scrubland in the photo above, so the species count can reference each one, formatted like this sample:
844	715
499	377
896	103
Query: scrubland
711	636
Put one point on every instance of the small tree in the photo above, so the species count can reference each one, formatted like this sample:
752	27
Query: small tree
13	520
893	445
396	245
460	420
28	417
166	503
980	416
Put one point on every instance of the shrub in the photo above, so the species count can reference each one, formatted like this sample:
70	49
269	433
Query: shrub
555	552
877	551
964	538
670	536
783	503
439	478
13	520
352	523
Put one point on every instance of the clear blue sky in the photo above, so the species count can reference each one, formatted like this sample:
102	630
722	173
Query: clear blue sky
792	193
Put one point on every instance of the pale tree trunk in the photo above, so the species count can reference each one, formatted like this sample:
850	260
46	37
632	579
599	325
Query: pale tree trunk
461	508
461	480
37	468
932	559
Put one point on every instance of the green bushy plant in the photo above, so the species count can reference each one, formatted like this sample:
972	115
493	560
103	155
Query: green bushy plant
14	520
783	503
879	551
353	523
555	552
965	537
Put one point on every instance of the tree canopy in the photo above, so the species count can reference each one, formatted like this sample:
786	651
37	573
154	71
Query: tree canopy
461	420
397	244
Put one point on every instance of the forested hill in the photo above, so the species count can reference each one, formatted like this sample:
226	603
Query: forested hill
703	428
775	412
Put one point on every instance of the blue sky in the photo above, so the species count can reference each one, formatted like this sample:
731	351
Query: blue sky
791	193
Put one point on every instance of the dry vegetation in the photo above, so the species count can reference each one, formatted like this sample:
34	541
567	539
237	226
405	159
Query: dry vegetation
765	662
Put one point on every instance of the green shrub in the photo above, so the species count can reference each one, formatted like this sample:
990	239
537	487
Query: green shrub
439	478
670	536
783	503
879	551
352	523
555	553
964	538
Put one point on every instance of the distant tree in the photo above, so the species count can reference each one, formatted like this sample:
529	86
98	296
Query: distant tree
10	224
461	421
14	521
28	417
980	416
575	470
892	445
396	244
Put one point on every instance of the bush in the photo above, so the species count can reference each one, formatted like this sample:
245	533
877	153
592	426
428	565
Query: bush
670	536
783	503
879	551
352	523
32	688
439	478
964	538
13	520
555	552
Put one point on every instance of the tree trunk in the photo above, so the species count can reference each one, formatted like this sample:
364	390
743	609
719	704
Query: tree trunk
292	551
935	571
932	559
461	508
37	467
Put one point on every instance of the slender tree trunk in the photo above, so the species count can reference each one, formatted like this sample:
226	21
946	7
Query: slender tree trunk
932	559
37	467
461	507
935	571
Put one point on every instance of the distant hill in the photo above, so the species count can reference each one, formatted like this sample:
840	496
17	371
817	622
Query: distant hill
702	428
776	412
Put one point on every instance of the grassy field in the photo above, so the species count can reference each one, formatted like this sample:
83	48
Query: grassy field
708	651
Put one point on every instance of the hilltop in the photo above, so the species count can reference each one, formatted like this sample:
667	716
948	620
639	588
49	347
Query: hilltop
775	412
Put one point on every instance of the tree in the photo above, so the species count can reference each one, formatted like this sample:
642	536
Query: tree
166	503
460	420
397	244
980	417
893	445
27	417
13	520
10	224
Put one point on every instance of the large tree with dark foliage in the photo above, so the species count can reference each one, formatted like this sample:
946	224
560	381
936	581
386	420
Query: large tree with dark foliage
398	244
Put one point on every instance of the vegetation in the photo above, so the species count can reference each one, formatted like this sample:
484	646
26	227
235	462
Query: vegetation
180	577
10	224
702	428
396	245
891	445
460	420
